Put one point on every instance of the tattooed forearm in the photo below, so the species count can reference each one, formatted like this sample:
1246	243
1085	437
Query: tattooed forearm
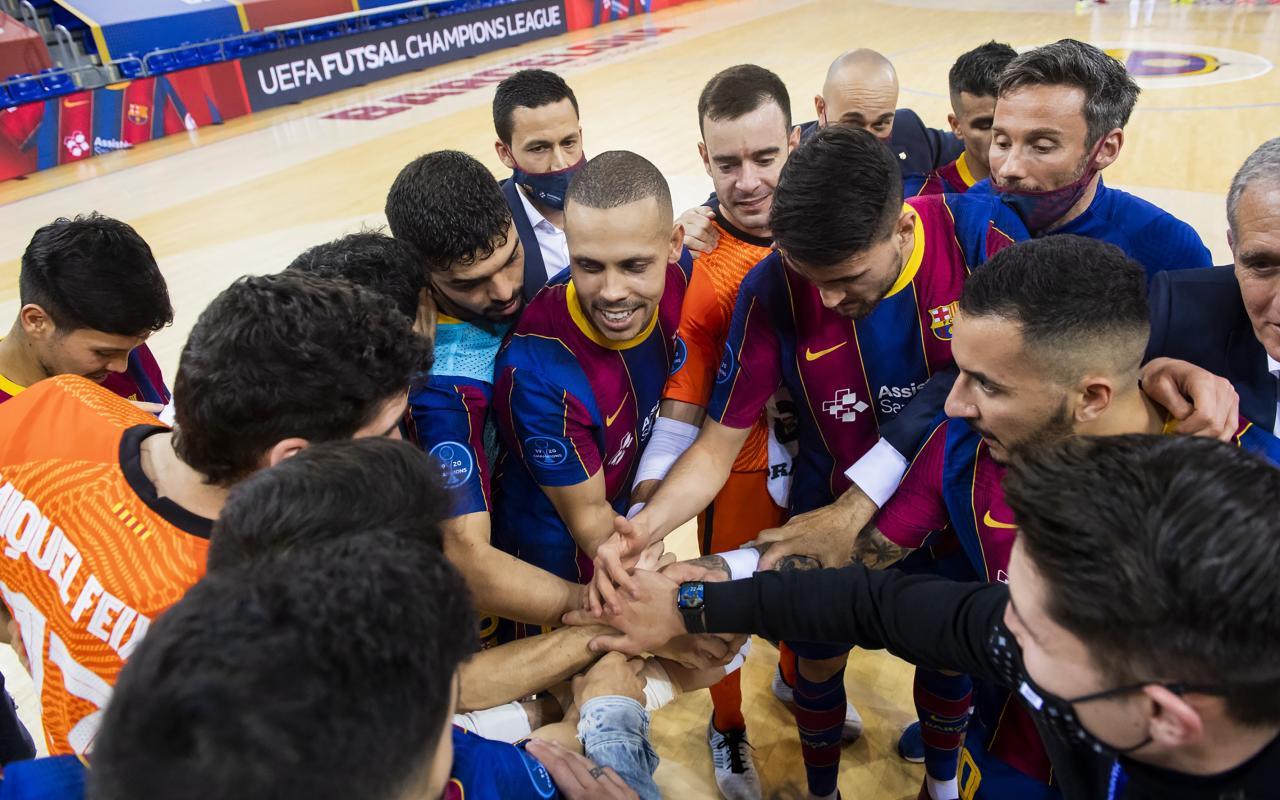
798	562
874	550
713	563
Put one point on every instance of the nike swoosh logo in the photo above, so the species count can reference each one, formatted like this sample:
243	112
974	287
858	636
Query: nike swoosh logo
74	103
992	522
608	421
809	355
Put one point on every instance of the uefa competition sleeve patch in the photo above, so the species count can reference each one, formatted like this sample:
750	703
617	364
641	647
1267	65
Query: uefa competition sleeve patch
546	451
457	465
727	362
681	353
538	775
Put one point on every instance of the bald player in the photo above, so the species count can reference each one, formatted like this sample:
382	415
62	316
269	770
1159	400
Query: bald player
861	90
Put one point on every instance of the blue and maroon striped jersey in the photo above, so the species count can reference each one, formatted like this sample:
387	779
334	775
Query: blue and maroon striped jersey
450	411
953	178
848	377
568	403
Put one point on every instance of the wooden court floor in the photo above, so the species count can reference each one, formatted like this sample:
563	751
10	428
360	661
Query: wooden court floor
248	196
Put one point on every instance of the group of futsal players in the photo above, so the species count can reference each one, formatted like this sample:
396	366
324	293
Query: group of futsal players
958	355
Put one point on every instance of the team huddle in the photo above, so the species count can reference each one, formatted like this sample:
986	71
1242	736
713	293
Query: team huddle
397	531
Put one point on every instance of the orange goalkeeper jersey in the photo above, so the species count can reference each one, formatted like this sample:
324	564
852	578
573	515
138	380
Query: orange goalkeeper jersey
91	554
704	326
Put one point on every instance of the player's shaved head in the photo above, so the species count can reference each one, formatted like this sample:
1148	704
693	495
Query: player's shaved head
861	90
619	178
862	67
1080	305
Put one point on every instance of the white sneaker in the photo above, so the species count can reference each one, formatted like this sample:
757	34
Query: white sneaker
852	719
781	690
735	771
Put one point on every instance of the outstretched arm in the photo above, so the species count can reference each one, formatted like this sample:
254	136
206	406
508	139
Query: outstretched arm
518	669
542	598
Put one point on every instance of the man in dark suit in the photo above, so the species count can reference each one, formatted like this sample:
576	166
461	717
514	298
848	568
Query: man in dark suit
535	115
1227	319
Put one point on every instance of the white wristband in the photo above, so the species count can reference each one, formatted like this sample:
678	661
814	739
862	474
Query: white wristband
504	723
742	563
739	659
669	440
658	688
636	508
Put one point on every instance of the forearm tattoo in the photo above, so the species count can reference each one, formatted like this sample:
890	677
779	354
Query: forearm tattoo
714	563
798	562
872	549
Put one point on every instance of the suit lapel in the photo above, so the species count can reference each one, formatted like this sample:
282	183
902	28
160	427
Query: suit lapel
1247	367
535	269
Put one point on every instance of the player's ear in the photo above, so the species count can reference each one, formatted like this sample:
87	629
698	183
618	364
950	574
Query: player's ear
706	159
36	322
820	106
1174	723
677	243
793	139
906	226
1096	396
1109	150
955	125
285	448
504	154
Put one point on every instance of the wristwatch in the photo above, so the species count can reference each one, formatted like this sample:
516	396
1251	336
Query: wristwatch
689	599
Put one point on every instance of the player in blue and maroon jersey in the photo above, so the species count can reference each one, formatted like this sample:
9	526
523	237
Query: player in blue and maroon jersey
973	80
1048	339
851	314
449	207
91	295
578	384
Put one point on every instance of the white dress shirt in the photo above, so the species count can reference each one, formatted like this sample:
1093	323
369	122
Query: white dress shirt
551	241
1273	367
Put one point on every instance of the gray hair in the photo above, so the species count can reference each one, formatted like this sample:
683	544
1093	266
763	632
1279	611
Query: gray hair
1262	164
1109	93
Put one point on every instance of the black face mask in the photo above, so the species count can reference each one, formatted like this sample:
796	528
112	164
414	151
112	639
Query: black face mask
1058	713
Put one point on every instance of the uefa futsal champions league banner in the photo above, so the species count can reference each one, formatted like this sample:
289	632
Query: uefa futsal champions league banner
76	127
301	73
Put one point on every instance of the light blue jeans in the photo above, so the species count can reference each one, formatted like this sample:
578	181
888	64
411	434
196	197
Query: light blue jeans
615	733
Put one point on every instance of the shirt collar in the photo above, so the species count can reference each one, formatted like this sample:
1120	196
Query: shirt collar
1273	366
536	219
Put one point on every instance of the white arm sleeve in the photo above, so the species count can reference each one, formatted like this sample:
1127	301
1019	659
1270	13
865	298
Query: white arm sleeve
669	440
879	472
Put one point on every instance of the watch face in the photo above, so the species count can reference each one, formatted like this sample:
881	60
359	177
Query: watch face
689	596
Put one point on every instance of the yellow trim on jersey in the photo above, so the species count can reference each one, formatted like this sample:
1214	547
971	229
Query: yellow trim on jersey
912	266
10	388
589	330
95	28
962	167
445	319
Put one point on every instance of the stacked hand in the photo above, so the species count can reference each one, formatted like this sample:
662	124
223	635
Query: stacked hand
826	533
614	560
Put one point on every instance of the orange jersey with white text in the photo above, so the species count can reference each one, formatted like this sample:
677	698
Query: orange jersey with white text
91	554
704	326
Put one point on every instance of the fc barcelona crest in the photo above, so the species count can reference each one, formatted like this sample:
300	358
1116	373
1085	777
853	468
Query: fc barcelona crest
138	114
940	320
